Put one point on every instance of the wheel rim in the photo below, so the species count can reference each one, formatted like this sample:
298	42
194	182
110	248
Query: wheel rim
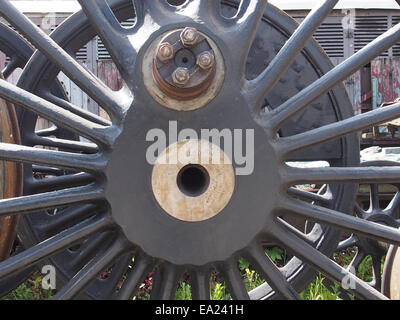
103	165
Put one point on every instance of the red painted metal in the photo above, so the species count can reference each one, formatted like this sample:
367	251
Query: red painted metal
396	77
357	93
108	73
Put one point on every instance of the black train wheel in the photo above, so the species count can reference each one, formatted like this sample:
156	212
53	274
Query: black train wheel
110	205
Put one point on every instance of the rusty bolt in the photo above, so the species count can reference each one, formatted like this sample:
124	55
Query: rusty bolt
165	52
206	60
181	76
189	37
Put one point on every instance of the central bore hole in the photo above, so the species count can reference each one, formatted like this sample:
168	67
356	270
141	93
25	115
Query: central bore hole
193	180
185	58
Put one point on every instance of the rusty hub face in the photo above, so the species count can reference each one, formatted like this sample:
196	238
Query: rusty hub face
185	64
195	188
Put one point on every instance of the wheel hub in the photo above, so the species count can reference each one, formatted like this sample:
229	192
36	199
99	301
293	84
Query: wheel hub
184	69
184	64
196	185
191	219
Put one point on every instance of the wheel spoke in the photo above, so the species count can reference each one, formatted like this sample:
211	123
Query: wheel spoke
55	113
376	270
47	170
259	88
108	288
347	243
61	241
88	249
339	129
66	219
393	206
353	175
62	182
360	212
89	273
374	197
11	66
74	109
154	8
140	10
77	73
200	284
308	195
295	231
52	131
233	280
246	22
204	8
342	221
271	273
334	77
325	265
165	282
142	266
65	145
355	263
32	203
18	153
112	34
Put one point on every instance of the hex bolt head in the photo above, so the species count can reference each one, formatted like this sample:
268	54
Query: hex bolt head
189	36
165	52
181	77
206	60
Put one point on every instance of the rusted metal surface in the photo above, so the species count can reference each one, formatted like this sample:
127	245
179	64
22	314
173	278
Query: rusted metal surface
185	55
203	182
10	176
391	274
108	73
377	84
396	77
385	78
192	102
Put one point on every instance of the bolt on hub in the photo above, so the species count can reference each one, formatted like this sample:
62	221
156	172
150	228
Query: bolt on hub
189	36
184	64
165	52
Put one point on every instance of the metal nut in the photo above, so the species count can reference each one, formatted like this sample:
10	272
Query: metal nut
189	36
181	77
165	52
206	60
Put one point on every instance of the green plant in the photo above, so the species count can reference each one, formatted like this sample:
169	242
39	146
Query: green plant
219	292
252	279
30	290
183	292
318	291
276	254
